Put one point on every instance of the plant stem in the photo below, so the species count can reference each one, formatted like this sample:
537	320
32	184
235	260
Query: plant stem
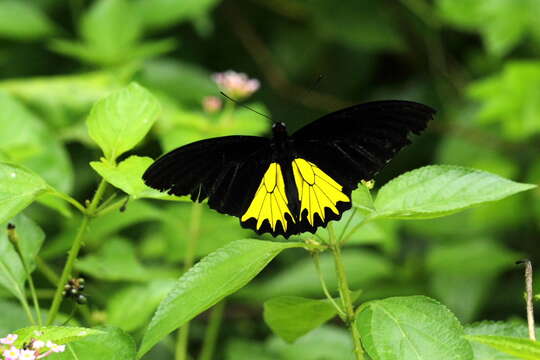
341	313
191	247
529	293
74	251
70	200
212	332
345	293
30	284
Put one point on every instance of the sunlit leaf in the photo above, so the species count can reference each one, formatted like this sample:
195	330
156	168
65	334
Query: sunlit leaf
127	176
119	121
19	187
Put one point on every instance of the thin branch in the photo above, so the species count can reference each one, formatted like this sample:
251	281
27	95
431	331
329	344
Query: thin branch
530	295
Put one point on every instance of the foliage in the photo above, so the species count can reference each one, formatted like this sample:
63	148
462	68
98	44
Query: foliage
92	92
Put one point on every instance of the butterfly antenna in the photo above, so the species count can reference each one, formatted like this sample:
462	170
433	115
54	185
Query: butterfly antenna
245	106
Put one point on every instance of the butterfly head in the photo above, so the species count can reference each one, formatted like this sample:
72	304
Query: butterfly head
279	130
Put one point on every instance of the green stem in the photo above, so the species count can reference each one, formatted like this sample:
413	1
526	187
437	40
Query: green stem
341	313
74	251
191	247
226	118
70	200
112	207
212	332
27	310
345	293
30	283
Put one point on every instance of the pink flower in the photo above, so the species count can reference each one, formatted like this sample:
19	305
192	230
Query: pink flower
37	344
8	340
55	347
236	85
27	355
211	104
11	354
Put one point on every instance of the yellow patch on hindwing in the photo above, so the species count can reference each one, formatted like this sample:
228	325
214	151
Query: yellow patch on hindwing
270	201
316	190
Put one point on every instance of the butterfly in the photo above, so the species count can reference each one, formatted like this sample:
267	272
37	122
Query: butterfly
289	184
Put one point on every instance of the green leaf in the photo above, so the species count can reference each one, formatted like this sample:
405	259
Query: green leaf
521	348
132	307
12	275
56	334
112	343
115	262
413	327
29	235
127	176
19	187
440	190
300	278
163	13
291	317
485	352
20	20
509	99
212	279
121	120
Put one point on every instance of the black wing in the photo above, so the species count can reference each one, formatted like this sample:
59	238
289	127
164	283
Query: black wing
226	170
355	143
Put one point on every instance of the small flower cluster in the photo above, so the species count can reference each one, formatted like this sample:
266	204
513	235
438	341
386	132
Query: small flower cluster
236	85
34	350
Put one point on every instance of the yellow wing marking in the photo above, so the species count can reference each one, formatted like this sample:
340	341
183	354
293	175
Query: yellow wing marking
316	190
270	201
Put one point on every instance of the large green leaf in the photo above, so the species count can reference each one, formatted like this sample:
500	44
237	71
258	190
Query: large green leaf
525	349
127	176
413	327
119	121
19	187
20	20
440	190
213	278
510	99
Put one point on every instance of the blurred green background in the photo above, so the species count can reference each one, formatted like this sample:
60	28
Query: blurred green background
476	62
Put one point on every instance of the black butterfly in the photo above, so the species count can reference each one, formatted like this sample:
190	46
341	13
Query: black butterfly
286	185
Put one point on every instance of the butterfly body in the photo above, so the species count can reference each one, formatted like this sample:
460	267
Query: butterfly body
288	184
